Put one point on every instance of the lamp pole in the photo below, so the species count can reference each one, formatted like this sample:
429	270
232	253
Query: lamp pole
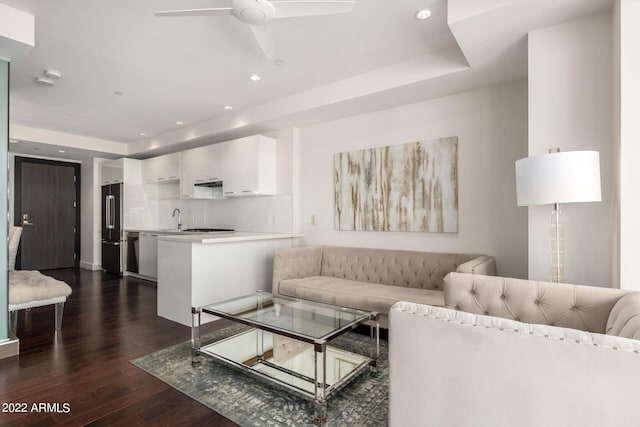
556	216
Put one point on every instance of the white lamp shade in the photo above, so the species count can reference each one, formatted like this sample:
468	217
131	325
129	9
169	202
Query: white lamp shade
564	177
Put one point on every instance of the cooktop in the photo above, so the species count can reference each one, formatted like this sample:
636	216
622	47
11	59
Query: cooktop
210	230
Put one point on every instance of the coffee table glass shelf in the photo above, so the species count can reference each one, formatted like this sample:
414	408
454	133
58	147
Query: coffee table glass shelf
287	343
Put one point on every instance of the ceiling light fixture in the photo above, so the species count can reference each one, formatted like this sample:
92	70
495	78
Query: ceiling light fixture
61	151
53	74
179	123
423	14
13	141
228	107
43	81
254	78
142	134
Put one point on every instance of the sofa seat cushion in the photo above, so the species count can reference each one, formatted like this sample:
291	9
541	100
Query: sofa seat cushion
27	286
355	294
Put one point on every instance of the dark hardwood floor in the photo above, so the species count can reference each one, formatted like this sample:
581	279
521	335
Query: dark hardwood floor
107	321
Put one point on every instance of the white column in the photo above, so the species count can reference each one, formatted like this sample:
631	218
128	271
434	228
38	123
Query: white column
570	104
627	136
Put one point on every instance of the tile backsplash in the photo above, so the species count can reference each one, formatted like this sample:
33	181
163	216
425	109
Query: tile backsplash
256	214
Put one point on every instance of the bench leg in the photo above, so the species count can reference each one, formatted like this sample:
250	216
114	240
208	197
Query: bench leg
13	321
59	311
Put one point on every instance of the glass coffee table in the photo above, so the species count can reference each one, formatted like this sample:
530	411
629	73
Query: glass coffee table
287	344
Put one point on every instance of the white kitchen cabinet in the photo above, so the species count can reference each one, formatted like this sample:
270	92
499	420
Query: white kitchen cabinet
148	255
111	172
249	166
198	166
162	168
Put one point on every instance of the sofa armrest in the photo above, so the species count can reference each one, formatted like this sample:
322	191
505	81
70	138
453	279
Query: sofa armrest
484	264
624	319
472	370
295	263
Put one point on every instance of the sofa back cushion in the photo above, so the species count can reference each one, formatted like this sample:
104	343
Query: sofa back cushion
409	269
295	263
557	304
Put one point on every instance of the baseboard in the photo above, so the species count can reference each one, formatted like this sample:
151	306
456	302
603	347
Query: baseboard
89	266
140	276
10	347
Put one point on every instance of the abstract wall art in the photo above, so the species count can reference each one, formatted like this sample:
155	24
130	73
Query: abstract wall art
406	187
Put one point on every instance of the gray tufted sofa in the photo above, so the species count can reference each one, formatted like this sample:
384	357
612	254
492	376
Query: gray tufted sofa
507	352
369	279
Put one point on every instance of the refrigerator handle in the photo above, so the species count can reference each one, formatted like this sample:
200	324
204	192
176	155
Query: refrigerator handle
107	211
110	212
113	212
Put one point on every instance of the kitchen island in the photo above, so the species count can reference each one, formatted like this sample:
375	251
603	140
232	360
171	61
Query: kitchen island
199	269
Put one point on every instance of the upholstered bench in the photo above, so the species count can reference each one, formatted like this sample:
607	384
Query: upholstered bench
30	289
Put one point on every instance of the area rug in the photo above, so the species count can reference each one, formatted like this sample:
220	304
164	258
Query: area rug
252	403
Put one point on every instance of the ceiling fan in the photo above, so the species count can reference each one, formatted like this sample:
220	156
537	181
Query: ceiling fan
256	13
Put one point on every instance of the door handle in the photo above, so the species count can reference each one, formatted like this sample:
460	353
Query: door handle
25	220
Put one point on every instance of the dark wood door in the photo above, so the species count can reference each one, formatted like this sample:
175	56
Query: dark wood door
47	208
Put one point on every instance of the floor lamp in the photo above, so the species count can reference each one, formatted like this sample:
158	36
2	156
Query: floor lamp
555	178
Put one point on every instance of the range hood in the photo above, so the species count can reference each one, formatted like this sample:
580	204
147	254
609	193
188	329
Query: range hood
211	184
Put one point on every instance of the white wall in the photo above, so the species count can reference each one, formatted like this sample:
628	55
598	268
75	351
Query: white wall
491	126
627	60
570	107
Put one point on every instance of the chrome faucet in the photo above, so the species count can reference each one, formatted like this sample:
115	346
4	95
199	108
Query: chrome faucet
179	218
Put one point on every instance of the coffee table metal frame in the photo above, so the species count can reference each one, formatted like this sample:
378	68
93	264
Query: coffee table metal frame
322	391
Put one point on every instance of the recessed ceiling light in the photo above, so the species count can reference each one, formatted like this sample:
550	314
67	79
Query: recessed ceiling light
142	134
61	151
43	81
117	92
254	78
423	14
53	74
179	122
14	141
228	107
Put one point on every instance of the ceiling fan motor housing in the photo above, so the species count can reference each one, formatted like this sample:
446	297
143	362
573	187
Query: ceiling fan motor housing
254	12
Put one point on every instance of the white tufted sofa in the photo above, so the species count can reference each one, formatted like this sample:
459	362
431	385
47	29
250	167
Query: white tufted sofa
509	352
369	279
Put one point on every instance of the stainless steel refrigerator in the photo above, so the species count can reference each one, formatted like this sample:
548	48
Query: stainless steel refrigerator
112	234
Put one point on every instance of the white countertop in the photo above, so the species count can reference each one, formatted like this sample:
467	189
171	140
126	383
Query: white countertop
222	237
167	231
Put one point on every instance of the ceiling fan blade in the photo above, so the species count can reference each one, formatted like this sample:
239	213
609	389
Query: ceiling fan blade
195	12
294	8
263	35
